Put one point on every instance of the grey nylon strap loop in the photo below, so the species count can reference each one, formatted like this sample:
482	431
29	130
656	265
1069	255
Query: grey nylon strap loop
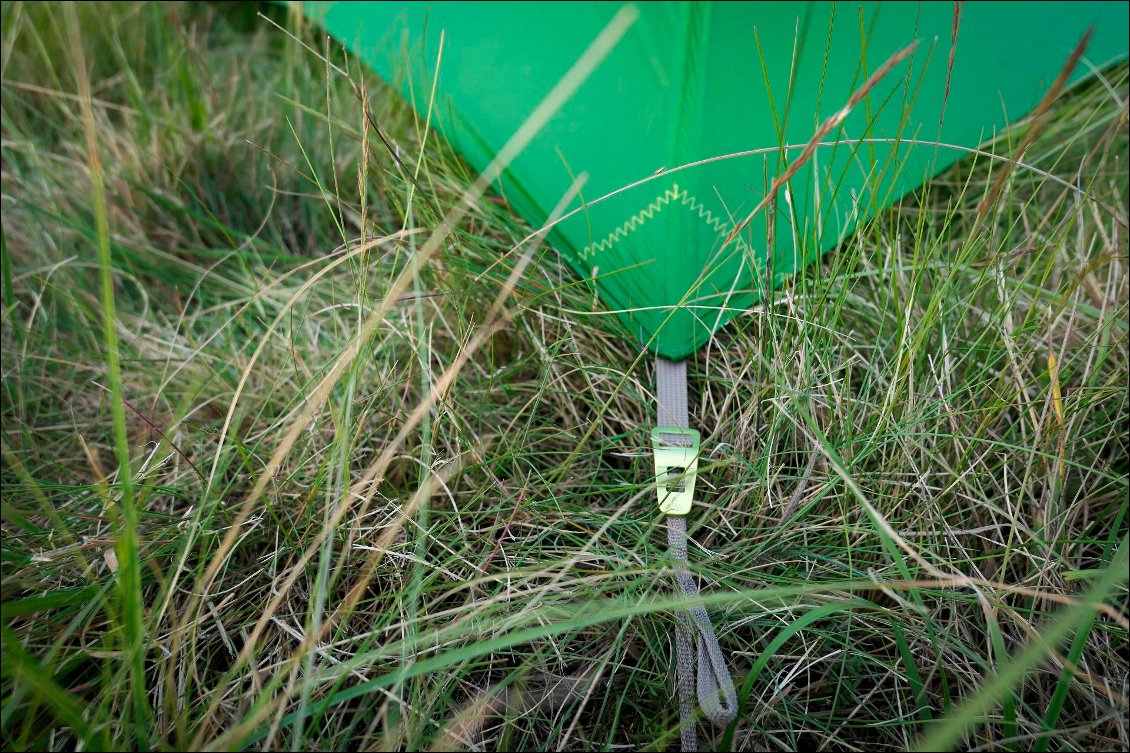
700	664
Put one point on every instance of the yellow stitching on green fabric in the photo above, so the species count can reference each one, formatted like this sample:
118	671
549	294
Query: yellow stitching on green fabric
672	194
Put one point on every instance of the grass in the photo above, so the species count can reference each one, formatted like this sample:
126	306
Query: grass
912	530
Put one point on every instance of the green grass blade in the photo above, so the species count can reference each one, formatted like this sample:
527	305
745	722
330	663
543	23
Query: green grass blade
133	640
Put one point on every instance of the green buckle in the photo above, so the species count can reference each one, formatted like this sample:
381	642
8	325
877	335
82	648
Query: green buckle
675	469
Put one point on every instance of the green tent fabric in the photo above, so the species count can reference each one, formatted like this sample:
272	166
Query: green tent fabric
692	81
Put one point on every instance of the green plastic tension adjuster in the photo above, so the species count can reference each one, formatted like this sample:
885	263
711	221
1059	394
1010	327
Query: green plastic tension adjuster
676	466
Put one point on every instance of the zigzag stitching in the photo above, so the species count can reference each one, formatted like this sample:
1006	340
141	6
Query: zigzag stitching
672	194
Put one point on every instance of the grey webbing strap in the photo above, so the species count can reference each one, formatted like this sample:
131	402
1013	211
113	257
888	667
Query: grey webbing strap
671	389
700	664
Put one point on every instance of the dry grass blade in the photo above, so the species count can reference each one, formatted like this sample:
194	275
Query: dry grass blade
1037	119
957	8
829	125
